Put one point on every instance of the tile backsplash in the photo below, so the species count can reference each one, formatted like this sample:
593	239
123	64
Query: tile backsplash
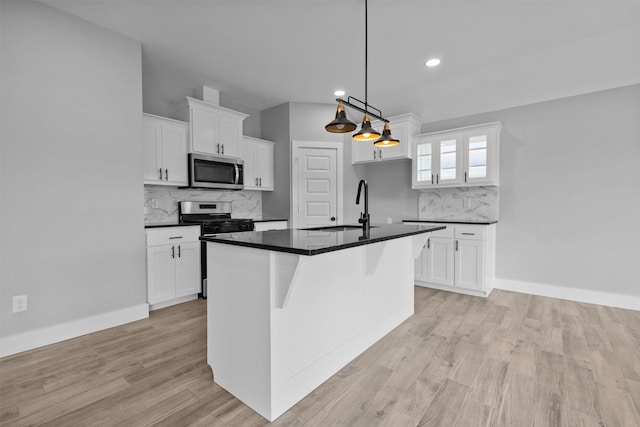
161	203
460	203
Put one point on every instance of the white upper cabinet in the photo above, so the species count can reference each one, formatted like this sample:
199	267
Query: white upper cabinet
165	151
214	129
403	127
258	164
458	157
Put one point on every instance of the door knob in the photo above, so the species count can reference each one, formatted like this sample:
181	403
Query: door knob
333	218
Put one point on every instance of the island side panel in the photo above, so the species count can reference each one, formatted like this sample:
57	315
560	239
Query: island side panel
238	323
346	302
314	333
388	283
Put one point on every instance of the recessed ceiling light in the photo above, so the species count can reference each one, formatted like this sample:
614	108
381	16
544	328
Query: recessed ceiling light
339	93
432	62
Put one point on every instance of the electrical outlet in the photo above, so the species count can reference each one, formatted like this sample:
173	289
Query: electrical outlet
19	303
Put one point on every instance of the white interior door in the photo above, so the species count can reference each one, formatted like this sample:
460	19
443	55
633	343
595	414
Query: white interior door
317	184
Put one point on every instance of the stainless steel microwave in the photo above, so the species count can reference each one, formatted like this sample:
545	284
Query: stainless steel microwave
215	172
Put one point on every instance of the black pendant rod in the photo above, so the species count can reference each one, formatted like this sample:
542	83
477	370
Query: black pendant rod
366	53
363	110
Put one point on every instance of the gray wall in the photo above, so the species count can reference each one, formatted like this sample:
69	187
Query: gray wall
569	190
275	127
161	90
390	191
71	173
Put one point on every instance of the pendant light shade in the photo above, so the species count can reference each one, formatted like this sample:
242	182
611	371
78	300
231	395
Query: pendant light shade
366	133
386	140
341	124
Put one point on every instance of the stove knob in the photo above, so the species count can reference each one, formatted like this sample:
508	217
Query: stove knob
216	228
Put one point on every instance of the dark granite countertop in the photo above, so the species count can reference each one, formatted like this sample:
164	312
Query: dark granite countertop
270	219
159	224
453	221
315	242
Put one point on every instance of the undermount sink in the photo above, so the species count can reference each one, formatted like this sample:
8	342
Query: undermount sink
337	228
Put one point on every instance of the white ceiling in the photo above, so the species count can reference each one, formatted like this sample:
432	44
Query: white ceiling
495	54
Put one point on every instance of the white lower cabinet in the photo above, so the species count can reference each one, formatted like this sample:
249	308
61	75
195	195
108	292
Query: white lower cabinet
173	265
460	258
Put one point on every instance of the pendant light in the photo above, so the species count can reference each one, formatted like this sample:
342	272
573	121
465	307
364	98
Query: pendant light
386	140
367	133
341	124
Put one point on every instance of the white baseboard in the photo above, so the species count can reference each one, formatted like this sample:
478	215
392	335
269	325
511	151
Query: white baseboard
471	292
174	301
572	294
17	343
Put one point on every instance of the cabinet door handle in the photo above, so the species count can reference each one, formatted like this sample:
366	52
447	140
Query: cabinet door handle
431	179
176	237
222	148
469	234
166	174
437	178
218	149
380	153
173	251
429	243
256	182
179	255
465	177
260	181
456	246
160	174
374	155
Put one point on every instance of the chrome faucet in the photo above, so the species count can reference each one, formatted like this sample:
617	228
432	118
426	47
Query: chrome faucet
364	216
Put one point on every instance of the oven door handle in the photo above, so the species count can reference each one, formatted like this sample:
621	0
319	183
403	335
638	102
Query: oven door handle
237	173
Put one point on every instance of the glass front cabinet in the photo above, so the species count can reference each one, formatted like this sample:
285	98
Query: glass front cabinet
457	157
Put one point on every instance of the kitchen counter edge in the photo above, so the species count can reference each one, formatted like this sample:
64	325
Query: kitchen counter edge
453	221
378	234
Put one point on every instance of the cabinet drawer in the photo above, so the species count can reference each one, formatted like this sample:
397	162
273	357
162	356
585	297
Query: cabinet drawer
169	235
469	232
446	233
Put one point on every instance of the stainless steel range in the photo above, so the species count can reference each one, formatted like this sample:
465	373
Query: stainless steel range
213	218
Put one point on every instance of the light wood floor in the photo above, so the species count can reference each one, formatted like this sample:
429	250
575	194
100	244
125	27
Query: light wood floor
509	360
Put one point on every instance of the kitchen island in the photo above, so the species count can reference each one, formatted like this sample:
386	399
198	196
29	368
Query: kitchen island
287	309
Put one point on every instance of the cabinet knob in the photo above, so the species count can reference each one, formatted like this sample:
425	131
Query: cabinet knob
333	218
